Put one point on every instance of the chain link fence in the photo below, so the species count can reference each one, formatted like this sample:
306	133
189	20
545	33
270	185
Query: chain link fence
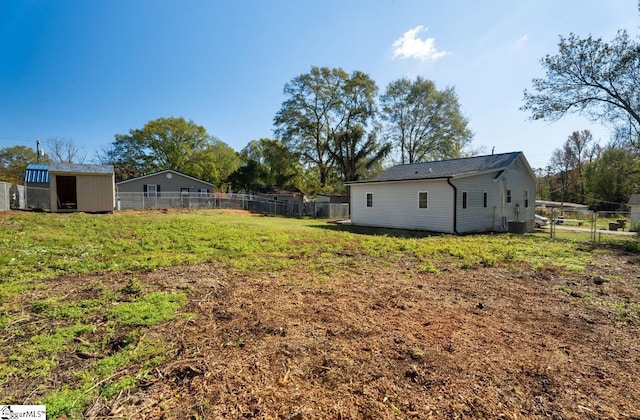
253	203
12	196
586	225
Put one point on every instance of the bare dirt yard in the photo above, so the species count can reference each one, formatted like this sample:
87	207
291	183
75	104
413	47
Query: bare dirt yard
387	342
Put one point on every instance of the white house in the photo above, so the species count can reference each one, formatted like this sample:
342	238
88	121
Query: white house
475	194
634	204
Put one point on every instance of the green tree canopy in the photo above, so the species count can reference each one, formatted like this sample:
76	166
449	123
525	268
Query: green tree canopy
612	179
591	77
171	143
14	161
323	111
424	123
279	166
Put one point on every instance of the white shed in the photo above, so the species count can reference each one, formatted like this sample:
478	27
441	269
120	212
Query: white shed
475	194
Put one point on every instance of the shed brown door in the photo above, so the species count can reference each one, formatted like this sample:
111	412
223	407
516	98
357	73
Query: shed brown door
67	192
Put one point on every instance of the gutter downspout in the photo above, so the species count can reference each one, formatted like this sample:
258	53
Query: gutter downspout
455	206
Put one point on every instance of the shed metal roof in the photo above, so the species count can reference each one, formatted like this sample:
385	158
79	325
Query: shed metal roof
446	168
36	173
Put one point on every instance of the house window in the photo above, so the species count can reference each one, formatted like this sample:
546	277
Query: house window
152	190
184	192
484	199
203	192
464	199
423	200
526	198
369	199
508	196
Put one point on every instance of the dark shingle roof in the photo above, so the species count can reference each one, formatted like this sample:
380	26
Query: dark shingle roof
447	168
125	181
71	168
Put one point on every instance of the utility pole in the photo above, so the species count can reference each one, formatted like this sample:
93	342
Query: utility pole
38	151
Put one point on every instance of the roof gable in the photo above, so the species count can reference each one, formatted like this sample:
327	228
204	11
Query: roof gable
453	168
165	171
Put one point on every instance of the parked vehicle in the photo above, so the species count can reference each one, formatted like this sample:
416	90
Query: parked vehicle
541	221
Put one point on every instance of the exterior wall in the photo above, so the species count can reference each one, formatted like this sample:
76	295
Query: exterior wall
94	193
635	215
395	205
498	213
166	184
476	217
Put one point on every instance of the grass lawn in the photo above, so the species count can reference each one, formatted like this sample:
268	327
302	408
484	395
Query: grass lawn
93	308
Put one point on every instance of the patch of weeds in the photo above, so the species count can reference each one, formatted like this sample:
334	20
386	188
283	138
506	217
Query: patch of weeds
66	402
36	357
631	246
113	389
133	287
568	290
427	267
154	308
107	372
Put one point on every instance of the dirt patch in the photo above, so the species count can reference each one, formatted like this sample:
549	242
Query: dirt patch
387	342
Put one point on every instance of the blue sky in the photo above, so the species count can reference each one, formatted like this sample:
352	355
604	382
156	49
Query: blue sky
88	70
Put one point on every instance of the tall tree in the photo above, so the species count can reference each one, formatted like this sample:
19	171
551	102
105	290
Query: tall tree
591	77
354	151
306	120
318	120
14	161
279	166
164	143
214	163
65	150
423	122
612	178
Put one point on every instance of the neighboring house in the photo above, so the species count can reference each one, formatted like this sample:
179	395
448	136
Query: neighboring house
578	209
87	188
475	194
36	182
282	195
270	199
166	181
332	206
634	203
332	198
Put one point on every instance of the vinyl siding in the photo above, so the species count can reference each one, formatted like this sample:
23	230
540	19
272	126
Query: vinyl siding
172	184
395	205
476	218
95	193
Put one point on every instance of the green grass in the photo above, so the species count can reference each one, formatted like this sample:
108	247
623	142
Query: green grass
35	247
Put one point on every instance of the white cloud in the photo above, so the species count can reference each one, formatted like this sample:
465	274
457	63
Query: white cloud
410	46
521	42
